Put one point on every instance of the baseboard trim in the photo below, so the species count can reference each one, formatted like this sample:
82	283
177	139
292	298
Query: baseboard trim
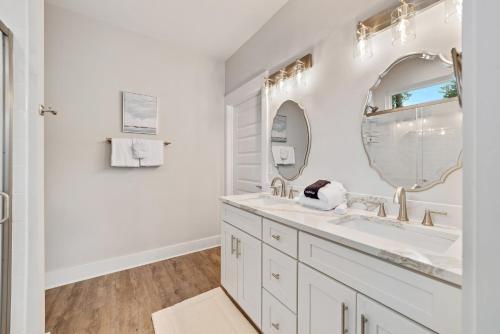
74	274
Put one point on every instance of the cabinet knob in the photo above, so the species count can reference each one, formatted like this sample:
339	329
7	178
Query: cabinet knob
276	325
276	276
277	237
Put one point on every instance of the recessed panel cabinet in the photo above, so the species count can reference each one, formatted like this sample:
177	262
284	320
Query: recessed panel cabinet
325	306
241	267
374	318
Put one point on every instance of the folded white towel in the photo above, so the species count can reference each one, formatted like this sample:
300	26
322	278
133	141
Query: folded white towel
329	197
154	156
333	193
121	153
140	148
283	155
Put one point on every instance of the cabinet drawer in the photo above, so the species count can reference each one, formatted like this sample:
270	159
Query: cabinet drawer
276	318
280	236
429	302
245	221
279	276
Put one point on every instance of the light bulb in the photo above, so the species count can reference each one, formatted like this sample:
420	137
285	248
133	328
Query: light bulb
281	80
363	48
403	23
299	72
268	83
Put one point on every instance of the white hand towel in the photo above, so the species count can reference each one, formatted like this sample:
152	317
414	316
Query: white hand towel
121	153
283	155
140	148
155	154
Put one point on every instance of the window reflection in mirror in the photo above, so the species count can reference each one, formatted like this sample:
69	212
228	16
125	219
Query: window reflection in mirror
431	92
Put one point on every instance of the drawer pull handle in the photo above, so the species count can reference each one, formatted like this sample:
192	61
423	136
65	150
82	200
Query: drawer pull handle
276	237
238	248
364	320
232	244
276	325
344	309
276	276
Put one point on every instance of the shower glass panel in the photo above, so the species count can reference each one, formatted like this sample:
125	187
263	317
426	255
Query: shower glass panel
5	175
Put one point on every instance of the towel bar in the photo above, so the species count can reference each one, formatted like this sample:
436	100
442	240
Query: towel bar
164	143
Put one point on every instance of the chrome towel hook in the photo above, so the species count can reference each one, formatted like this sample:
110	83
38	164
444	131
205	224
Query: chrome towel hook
43	110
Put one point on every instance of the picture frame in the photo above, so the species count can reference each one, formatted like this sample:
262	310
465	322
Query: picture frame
139	113
278	132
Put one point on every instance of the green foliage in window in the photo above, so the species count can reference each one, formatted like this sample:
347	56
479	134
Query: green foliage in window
399	99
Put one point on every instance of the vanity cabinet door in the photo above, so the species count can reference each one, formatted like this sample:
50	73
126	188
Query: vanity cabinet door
249	254
374	318
325	306
229	262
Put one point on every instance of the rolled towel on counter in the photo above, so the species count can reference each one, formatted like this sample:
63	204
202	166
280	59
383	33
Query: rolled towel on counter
312	190
329	197
333	194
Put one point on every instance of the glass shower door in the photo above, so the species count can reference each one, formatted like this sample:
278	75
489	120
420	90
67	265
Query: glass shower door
5	176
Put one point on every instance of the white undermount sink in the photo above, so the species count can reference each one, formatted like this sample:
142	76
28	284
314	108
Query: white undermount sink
266	200
423	238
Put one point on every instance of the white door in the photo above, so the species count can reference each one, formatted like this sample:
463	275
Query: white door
373	318
325	305
247	146
229	264
249	253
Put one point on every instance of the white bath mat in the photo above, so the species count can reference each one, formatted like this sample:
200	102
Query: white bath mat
209	313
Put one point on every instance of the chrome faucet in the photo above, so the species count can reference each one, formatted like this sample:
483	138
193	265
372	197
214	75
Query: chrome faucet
400	198
275	188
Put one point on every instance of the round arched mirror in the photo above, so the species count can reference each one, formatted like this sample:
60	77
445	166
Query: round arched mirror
412	122
290	140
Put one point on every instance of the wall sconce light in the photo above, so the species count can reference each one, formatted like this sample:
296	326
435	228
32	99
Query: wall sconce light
363	47
401	20
403	23
295	70
453	9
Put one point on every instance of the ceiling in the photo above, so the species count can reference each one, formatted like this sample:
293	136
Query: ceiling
213	27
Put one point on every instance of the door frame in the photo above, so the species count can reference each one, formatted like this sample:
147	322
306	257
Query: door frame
6	256
231	100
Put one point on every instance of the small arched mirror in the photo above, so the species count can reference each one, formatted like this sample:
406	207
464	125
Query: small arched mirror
412	122
290	140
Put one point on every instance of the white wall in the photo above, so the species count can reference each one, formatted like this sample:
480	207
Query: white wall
25	19
98	213
481	167
338	83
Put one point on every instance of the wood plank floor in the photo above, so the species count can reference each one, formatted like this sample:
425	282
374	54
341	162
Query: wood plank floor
123	302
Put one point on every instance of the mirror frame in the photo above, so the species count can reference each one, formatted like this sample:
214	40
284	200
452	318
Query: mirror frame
448	172
309	139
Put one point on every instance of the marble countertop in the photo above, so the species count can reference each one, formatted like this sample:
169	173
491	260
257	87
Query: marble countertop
443	262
